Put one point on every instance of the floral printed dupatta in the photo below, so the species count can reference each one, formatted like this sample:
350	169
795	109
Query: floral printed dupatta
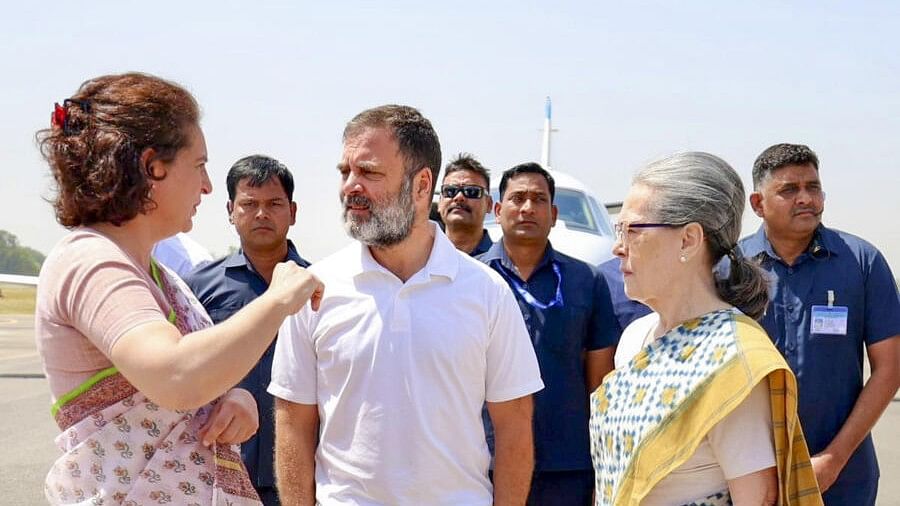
649	416
121	448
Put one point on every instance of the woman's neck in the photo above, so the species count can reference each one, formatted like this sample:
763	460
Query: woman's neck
134	237
690	298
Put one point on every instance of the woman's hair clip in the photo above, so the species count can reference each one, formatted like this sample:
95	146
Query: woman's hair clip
59	118
734	254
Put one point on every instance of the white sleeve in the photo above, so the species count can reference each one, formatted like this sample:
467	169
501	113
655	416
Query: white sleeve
512	367
743	442
294	371
170	253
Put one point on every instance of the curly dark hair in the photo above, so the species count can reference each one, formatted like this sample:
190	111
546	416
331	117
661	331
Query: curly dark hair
96	159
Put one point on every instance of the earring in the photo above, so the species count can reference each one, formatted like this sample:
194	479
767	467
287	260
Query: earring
683	258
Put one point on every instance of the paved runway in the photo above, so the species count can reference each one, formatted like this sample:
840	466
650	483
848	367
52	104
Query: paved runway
26	428
27	431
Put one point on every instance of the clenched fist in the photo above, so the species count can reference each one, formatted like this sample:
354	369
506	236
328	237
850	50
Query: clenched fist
293	285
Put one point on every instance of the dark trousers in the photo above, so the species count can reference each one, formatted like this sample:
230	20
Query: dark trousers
561	488
852	494
269	496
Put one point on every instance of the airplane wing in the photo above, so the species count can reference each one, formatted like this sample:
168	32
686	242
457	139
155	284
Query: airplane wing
18	279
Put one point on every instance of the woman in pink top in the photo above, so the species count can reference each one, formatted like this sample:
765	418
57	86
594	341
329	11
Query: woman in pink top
141	380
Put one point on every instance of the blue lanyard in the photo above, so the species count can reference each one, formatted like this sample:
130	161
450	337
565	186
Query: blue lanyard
525	294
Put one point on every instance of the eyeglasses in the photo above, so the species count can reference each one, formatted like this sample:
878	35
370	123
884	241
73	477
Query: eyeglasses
623	228
469	191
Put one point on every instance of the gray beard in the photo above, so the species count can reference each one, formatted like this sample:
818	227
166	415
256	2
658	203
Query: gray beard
389	222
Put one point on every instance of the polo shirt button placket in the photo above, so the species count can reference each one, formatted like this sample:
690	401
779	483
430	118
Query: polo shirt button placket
401	319
790	327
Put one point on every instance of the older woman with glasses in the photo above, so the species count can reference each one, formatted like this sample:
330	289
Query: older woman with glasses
701	408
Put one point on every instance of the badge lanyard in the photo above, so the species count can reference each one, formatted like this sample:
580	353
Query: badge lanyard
830	319
530	299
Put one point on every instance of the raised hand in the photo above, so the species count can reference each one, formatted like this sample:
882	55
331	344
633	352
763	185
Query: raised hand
293	286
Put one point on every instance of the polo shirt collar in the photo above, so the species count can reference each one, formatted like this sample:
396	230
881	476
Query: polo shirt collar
823	244
238	259
757	244
498	253
443	260
483	245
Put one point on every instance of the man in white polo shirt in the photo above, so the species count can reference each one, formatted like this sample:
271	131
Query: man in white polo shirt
379	393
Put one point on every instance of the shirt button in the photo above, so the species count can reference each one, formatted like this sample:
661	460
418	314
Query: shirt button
790	270
790	308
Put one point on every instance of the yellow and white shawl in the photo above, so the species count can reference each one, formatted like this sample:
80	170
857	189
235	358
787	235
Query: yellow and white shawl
649	417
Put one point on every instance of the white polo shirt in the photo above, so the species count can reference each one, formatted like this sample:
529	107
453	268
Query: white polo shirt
400	372
181	253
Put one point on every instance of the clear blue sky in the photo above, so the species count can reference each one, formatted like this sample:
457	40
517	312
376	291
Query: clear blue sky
629	81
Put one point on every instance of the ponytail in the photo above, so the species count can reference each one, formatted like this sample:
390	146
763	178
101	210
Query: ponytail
746	287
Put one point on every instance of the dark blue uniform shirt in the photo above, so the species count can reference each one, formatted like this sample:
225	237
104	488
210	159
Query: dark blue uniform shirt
224	287
561	334
483	245
626	310
829	368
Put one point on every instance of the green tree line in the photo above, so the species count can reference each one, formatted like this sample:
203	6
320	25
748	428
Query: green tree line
18	259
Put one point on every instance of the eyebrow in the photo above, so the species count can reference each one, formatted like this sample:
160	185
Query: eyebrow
203	158
807	182
361	164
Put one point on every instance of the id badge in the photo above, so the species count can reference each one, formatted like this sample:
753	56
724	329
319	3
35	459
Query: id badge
831	320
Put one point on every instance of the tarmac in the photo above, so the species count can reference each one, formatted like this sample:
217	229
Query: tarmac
27	430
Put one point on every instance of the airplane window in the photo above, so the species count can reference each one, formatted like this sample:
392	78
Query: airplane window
575	210
602	217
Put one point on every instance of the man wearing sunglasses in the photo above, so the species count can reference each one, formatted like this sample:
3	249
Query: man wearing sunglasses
465	200
567	309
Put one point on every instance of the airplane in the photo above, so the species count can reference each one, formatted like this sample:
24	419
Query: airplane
583	228
18	279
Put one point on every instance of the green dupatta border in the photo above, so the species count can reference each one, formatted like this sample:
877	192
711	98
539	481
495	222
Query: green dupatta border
105	373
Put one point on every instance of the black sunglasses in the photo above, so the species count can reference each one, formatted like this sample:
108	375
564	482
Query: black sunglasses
470	191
